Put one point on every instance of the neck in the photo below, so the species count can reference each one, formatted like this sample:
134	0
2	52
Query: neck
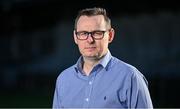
89	64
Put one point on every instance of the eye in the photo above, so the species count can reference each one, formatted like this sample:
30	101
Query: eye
81	33
98	33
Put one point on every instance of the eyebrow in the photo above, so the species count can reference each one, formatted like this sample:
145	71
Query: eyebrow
90	31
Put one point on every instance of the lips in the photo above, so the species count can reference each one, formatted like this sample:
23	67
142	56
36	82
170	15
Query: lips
90	47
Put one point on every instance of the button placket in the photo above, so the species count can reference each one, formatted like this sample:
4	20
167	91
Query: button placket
89	91
90	82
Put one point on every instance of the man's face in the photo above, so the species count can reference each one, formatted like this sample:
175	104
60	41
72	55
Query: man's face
92	48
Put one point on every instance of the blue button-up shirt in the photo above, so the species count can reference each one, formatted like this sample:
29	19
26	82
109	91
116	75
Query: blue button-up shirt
111	84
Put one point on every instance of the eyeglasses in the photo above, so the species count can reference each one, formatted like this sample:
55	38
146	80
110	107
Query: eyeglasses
83	35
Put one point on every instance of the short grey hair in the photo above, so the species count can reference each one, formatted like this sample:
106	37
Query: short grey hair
93	12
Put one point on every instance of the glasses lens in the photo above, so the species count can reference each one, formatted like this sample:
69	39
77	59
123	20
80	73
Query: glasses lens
98	34
83	35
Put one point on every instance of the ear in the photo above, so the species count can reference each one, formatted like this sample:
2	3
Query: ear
75	38
111	35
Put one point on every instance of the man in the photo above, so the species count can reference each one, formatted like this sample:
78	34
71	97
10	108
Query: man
99	80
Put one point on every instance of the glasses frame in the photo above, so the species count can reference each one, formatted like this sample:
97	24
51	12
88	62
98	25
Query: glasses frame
91	34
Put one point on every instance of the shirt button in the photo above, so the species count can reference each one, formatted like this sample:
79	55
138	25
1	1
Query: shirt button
90	82
87	99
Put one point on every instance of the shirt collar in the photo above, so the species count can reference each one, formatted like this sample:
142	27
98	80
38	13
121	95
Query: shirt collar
104	62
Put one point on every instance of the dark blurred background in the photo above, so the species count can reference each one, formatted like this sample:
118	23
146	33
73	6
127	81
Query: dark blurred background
36	44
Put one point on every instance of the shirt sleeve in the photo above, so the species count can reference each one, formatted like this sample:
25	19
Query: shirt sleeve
138	95
56	99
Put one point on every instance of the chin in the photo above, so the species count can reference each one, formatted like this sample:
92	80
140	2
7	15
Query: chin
92	56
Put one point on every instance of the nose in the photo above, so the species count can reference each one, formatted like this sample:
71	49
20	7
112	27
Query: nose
90	38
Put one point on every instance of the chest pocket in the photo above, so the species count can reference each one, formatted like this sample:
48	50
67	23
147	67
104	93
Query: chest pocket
110	99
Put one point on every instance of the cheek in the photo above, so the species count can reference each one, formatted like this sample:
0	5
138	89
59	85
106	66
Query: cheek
80	46
103	45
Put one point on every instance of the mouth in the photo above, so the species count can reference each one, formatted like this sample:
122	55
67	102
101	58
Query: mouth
90	48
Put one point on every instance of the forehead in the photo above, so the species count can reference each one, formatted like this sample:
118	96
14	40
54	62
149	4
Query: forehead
91	22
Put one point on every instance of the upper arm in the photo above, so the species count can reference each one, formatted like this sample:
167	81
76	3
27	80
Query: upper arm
138	94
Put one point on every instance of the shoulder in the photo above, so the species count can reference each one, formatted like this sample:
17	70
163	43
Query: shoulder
129	72
123	66
126	69
65	74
